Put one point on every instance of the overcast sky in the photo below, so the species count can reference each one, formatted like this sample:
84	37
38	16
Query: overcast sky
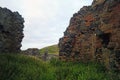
45	20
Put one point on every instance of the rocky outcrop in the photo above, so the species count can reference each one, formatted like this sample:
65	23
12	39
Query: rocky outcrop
93	34
11	31
31	52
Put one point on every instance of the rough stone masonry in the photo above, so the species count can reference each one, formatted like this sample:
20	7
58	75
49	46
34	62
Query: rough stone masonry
93	34
11	31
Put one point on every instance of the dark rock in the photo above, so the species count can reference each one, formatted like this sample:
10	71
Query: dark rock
11	31
31	52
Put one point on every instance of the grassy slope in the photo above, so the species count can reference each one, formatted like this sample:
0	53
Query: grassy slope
20	67
51	49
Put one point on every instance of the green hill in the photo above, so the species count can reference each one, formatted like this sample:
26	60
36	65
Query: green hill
50	49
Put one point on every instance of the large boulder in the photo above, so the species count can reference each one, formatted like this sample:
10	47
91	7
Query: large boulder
11	31
93	34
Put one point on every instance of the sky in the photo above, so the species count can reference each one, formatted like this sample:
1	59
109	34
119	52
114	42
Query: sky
45	20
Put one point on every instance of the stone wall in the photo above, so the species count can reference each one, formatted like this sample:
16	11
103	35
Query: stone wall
93	34
11	31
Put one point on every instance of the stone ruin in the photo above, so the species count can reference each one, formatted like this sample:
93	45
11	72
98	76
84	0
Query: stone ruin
11	31
93	34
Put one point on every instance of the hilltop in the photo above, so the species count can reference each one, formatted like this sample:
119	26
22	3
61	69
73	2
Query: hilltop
53	49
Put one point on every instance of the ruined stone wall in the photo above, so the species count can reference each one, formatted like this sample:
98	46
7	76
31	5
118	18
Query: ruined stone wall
93	34
11	31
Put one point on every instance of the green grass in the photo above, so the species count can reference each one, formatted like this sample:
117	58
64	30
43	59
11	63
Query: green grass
20	67
82	71
51	49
